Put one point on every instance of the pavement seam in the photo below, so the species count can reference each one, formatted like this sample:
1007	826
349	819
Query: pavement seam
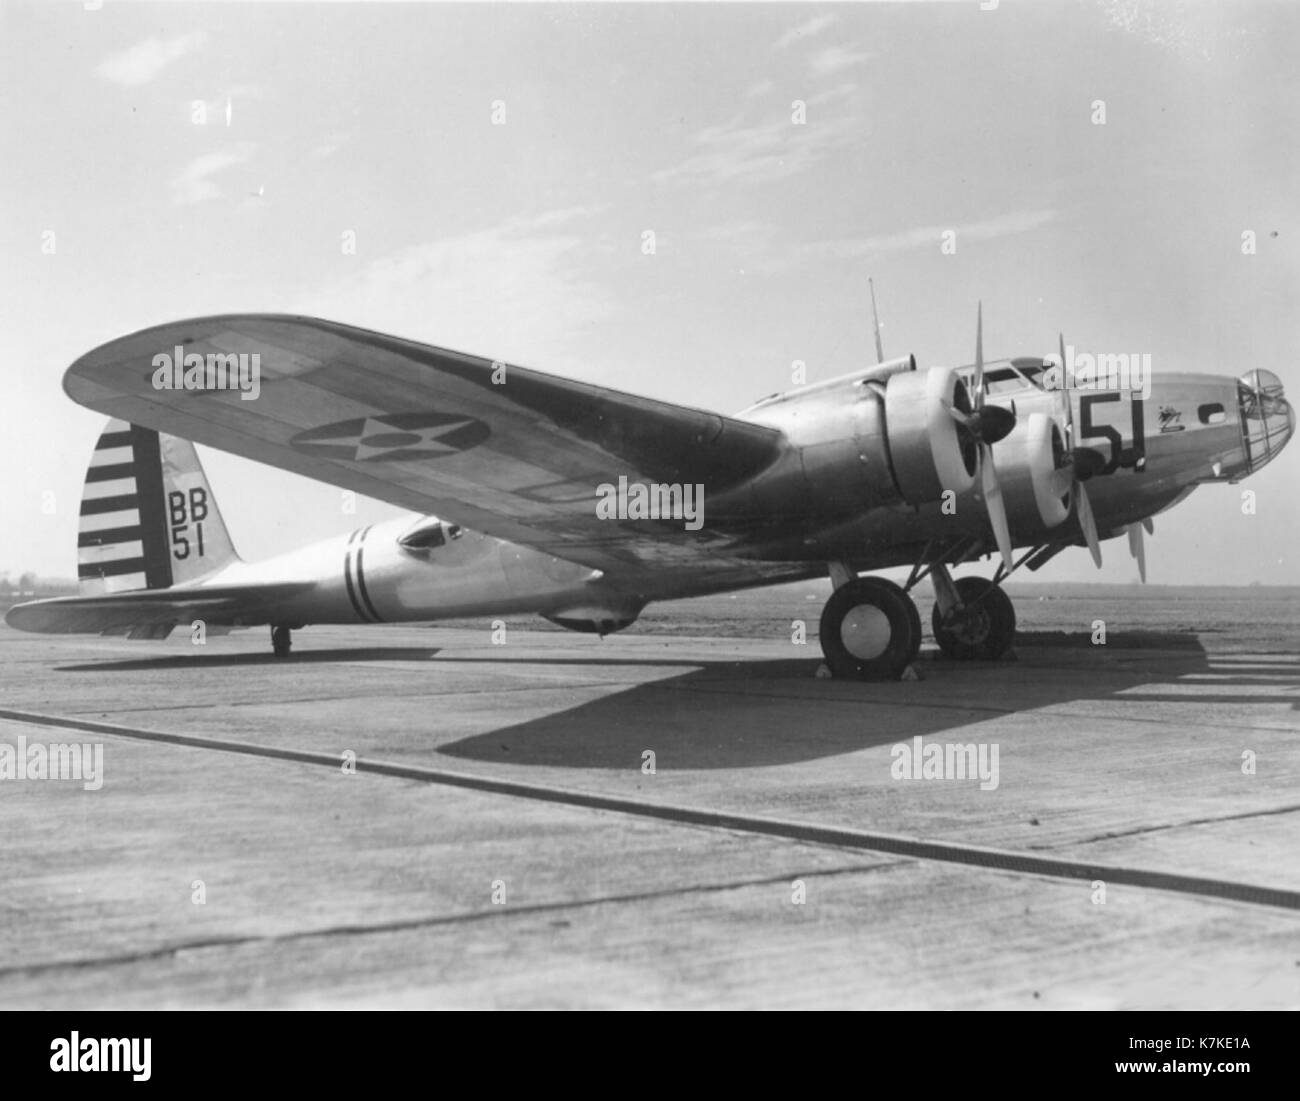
1004	860
429	922
1171	826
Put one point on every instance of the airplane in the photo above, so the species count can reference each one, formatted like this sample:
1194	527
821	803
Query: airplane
538	494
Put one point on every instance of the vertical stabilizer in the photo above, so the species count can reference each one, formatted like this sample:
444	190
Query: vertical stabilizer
148	516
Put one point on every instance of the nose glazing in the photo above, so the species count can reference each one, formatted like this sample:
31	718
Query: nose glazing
1267	418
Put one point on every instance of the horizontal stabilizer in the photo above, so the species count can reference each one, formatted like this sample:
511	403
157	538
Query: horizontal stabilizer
151	613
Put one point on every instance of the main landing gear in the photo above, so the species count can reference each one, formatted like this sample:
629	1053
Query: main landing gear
281	640
871	630
979	625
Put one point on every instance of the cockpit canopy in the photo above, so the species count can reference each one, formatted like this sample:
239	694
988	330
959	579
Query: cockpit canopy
1007	376
427	535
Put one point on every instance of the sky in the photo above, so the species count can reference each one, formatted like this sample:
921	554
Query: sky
497	167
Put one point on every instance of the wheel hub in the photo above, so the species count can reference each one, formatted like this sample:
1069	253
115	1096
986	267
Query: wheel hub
969	625
865	632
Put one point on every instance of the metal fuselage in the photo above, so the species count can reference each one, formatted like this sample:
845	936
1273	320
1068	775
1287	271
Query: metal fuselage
833	497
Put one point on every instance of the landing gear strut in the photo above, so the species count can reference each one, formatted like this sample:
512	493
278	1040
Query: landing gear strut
281	641
870	629
973	619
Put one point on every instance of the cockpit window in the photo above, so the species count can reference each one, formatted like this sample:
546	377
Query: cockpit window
1008	377
427	535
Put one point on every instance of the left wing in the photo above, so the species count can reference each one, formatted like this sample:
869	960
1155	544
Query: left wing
501	449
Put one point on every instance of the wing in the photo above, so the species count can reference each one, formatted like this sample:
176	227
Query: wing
152	613
498	448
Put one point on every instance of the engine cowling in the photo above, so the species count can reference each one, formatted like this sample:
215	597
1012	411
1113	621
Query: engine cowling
928	452
1027	461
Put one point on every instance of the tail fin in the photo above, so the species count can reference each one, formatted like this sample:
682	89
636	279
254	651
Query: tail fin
148	516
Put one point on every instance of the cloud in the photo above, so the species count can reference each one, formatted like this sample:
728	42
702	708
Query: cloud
743	244
521	290
1187	31
840	91
145	60
815	25
759	153
195	184
526	224
834	58
930	236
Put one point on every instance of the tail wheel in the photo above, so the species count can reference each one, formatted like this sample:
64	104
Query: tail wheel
982	628
281	641
870	630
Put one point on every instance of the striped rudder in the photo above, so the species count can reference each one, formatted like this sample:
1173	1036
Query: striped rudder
148	517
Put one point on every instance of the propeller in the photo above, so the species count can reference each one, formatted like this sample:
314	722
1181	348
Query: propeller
985	422
1077	465
984	425
1137	548
875	323
1083	511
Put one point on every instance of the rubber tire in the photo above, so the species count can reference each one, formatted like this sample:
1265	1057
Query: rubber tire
281	642
904	622
995	628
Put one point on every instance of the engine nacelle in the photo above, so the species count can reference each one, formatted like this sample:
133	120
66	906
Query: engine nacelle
928	451
1026	462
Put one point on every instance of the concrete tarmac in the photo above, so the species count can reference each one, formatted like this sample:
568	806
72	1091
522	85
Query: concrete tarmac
502	841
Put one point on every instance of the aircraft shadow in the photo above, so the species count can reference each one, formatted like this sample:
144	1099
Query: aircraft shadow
737	714
213	659
758	714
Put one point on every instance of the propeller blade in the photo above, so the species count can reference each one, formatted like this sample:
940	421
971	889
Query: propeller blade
956	414
1084	464
978	398
1137	548
875	323
1083	508
1068	418
992	493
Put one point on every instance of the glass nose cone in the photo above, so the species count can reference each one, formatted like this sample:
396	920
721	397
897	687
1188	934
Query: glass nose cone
1267	418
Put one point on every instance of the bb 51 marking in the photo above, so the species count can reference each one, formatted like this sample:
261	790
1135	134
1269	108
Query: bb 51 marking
182	512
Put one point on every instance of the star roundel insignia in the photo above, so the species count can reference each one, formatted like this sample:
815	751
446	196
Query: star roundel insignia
393	437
